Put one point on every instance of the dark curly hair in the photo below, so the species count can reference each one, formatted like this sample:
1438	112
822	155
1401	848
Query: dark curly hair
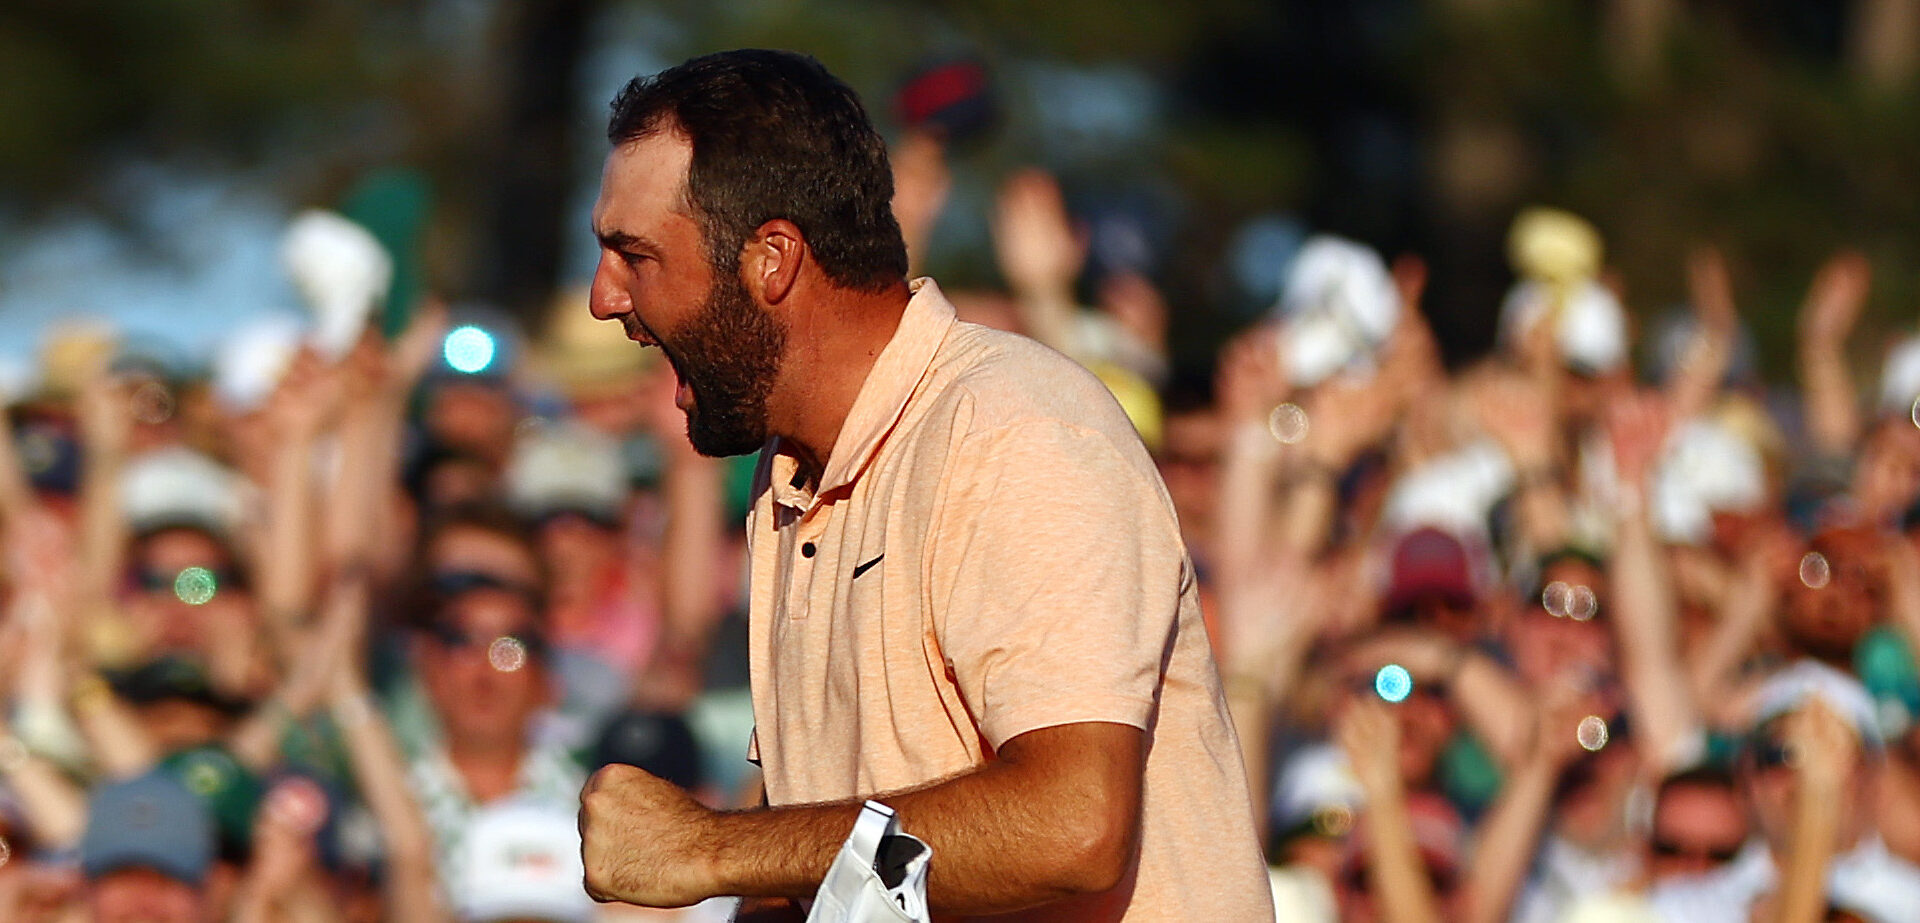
775	136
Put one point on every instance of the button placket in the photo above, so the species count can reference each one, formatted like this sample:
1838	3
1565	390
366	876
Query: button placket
808	533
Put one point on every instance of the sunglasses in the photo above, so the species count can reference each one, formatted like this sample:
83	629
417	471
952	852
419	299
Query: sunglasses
1667	849
450	583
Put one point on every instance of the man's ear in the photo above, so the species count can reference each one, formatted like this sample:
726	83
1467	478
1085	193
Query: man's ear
771	264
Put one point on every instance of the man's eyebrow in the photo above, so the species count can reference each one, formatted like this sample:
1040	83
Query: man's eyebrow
621	240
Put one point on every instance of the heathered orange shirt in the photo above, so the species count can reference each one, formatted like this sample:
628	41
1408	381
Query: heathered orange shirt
989	552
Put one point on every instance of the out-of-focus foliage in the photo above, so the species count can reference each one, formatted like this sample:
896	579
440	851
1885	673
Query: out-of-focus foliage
1415	124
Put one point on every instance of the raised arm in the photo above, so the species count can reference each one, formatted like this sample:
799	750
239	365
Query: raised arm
1040	255
1692	386
302	408
1396	874
1249	384
1522	418
1828	753
1270	619
1346	415
1509	834
379	377
921	181
1055	815
1645	611
380	773
694	487
1831	409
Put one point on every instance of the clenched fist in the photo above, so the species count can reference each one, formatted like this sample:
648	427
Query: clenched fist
644	840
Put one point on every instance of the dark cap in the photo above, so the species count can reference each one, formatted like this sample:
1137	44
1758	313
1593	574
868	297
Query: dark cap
149	822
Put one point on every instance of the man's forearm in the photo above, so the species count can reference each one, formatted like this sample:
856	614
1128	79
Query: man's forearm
994	849
1055	816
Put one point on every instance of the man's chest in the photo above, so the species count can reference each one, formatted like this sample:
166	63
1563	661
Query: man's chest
851	690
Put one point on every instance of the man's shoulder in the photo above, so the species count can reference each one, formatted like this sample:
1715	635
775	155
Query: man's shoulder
992	379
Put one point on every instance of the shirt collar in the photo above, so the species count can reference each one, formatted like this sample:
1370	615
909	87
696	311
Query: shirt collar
883	398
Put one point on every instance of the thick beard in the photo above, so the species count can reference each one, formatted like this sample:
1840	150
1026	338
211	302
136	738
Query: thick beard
729	360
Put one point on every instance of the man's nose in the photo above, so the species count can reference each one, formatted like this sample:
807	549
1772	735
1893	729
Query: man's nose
606	300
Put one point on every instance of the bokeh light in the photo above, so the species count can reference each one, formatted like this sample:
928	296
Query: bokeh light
468	349
1393	683
1815	572
196	586
1582	604
1556	598
1333	821
507	654
152	403
1592	733
1287	423
204	779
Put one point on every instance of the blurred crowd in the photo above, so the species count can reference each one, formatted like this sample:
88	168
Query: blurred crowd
334	627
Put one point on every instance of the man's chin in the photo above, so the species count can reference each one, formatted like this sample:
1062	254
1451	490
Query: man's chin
720	443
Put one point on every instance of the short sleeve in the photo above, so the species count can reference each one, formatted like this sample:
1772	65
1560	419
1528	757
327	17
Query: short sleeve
1056	573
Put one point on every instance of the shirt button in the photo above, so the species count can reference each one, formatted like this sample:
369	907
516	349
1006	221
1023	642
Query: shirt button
806	550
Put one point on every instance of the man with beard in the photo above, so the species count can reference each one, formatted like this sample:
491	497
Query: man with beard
969	596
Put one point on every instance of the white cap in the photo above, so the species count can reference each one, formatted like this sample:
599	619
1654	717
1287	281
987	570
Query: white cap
178	486
1705	468
522	861
342	271
1591	332
1455	492
1900	377
566	467
1316	778
1339	304
249	364
1787	689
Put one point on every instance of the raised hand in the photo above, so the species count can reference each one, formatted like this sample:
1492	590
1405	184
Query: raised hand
1711	291
1824	745
921	181
1834	302
1637	427
1348	413
1370	736
1519	415
1267	613
105	412
1039	250
308	400
1250	380
1137	307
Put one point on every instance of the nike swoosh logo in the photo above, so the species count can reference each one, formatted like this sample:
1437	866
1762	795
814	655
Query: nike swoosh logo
867	566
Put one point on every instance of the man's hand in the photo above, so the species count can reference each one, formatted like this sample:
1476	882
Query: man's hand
644	841
1834	302
1637	425
1825	748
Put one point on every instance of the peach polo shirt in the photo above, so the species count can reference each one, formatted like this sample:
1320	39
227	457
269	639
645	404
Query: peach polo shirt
990	551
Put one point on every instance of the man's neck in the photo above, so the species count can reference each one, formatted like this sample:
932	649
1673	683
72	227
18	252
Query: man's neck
832	348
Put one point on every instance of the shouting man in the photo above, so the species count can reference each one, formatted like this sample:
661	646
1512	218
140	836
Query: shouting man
969	596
